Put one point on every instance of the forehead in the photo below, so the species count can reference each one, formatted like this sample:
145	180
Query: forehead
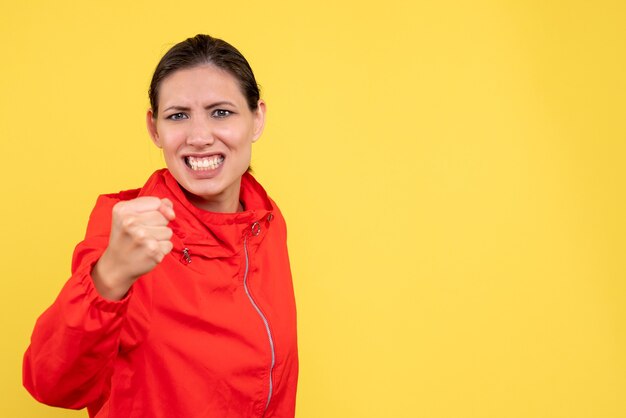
203	82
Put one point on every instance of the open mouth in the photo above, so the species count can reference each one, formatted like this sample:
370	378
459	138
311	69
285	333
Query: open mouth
204	163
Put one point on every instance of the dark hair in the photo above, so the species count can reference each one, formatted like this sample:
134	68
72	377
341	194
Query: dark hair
204	49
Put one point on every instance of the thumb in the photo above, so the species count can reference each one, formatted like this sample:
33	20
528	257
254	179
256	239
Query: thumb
167	209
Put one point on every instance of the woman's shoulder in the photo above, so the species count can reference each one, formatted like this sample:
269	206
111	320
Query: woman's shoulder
100	217
101	214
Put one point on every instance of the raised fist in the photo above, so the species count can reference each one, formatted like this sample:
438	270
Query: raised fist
139	240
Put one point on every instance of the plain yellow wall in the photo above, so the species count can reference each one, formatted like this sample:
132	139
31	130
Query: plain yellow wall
452	173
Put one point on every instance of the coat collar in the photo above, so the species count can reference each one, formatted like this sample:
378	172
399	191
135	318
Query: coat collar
215	234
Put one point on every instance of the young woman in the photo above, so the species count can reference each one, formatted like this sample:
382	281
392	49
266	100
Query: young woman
180	302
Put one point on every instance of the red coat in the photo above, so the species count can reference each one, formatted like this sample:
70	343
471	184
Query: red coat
210	332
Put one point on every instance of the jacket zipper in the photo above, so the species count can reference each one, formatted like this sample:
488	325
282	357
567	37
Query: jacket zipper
263	318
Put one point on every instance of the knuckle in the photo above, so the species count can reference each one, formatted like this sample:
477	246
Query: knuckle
119	208
152	247
150	201
139	236
128	222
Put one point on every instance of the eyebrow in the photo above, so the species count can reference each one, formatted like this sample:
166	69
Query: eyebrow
208	107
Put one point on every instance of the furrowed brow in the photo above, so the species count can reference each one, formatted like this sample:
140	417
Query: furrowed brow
217	104
177	108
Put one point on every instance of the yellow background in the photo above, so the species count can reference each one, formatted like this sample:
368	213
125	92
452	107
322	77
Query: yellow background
452	173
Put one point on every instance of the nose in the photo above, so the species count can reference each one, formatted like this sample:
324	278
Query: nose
201	132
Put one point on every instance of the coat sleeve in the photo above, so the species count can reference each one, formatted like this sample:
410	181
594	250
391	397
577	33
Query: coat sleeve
75	341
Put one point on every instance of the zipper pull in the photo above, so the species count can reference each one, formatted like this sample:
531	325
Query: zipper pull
185	258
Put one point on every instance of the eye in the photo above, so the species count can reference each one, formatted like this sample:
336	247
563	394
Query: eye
177	116
221	113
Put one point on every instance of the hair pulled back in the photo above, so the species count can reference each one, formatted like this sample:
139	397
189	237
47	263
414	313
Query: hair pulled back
201	50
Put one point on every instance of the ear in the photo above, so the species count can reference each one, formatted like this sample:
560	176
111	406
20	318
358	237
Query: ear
259	120
152	128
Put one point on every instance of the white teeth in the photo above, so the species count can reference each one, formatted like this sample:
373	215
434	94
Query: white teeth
205	163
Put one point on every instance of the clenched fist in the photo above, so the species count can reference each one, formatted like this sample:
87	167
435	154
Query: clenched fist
139	240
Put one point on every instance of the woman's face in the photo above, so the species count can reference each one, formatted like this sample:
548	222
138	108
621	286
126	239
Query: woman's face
206	131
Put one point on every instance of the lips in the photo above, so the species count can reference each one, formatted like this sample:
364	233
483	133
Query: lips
207	163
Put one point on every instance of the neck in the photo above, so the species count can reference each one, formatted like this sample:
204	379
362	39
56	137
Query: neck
220	204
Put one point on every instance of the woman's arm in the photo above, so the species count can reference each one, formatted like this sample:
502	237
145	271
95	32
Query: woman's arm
75	342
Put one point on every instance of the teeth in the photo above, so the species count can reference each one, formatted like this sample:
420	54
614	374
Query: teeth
205	163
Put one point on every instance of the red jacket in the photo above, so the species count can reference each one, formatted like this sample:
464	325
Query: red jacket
210	332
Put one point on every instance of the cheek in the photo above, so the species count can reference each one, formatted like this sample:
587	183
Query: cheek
171	139
235	136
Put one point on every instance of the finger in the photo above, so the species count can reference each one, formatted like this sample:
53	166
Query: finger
158	233
142	235
151	218
153	250
165	247
159	249
167	209
140	204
